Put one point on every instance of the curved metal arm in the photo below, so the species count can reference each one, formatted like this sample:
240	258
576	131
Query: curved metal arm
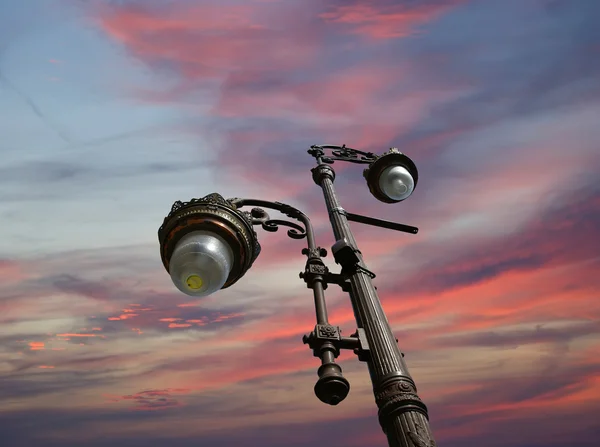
328	153
261	217
325	341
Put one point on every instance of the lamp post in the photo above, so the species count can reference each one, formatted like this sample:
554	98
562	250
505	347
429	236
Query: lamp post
208	244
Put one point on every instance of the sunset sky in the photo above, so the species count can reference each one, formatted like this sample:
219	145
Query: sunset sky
112	110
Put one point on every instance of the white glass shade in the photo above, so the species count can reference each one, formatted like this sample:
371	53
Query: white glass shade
200	263
396	182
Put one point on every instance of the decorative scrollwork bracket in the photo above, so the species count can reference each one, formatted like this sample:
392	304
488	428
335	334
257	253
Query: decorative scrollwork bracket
328	153
260	217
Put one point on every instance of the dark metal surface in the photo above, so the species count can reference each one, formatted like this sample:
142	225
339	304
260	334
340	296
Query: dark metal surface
214	213
381	223
373	172
402	414
260	217
331	387
328	153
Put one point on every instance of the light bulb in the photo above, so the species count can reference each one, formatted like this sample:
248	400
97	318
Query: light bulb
396	182
200	263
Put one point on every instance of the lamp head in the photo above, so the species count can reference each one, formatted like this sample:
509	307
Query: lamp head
392	177
206	245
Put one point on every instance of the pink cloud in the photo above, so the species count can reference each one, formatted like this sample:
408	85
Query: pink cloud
369	19
126	316
510	298
179	325
336	95
129	313
260	77
77	335
152	400
11	271
280	326
231	37
224	317
174	323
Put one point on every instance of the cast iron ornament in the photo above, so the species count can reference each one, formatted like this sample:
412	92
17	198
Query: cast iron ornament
328	153
400	408
219	215
420	437
372	173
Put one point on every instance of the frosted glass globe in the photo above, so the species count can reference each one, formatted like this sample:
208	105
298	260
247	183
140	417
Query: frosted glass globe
200	263
396	182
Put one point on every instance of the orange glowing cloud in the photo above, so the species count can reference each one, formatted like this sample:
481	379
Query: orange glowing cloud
509	299
466	309
179	325
246	364
77	335
136	309
36	346
174	322
194	304
197	322
126	316
274	328
224	317
130	313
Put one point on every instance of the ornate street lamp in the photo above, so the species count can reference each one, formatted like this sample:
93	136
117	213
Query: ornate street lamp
392	177
208	244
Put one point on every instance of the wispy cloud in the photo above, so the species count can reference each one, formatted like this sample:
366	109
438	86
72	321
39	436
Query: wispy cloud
34	107
152	400
493	301
387	19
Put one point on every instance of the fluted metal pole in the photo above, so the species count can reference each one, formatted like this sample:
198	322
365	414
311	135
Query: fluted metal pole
402	413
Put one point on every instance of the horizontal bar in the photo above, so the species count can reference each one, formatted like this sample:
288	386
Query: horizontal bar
381	223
